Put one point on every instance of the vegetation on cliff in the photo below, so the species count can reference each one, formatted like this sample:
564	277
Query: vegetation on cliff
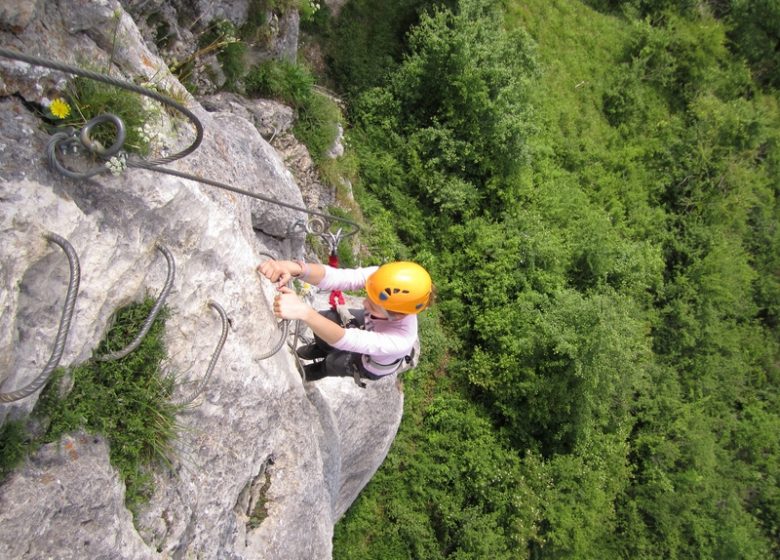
595	188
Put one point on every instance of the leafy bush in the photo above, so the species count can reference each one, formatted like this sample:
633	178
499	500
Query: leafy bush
220	38
231	56
608	298
475	125
623	102
15	445
317	116
367	40
755	34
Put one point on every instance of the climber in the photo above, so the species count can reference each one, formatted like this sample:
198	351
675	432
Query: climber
387	331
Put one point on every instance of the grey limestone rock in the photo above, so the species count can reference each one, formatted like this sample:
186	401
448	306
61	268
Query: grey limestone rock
271	118
15	15
78	501
275	121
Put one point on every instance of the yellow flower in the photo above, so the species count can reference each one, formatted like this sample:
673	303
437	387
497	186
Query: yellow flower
59	108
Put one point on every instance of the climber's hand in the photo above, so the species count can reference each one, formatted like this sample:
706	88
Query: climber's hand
279	272
287	305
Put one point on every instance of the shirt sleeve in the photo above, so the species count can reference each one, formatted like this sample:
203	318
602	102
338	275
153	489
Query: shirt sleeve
345	278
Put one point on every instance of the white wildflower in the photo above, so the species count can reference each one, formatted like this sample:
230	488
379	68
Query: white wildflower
117	164
149	134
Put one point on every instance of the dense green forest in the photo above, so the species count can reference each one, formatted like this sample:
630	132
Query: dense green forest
594	186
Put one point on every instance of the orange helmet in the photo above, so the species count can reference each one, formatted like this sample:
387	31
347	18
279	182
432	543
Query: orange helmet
403	287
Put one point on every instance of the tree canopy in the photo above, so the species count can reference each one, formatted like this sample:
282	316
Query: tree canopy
594	186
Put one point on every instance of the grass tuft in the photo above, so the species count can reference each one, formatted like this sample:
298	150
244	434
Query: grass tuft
92	98
15	444
128	401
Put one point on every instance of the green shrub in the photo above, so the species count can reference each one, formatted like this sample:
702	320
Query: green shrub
317	116
284	81
317	124
231	57
220	37
15	445
755	34
623	102
308	9
367	40
609	302
251	31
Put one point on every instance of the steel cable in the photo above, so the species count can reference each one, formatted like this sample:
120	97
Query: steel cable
237	190
285	326
69	69
214	357
152	314
152	165
62	331
69	137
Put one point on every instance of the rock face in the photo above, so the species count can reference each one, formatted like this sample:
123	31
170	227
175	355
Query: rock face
171	27
258	434
75	516
274	121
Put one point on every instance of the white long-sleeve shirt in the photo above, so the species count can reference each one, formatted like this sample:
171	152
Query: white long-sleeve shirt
383	340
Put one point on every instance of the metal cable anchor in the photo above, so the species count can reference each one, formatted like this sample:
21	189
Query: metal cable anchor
152	314
214	357
62	332
84	139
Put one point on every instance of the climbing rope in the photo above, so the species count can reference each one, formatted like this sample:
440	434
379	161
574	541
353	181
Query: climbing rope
214	357
152	314
69	136
62	331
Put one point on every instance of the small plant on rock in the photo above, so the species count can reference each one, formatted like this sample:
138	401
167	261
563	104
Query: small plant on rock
87	98
127	401
219	38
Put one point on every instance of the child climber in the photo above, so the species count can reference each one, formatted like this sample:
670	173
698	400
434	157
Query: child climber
397	292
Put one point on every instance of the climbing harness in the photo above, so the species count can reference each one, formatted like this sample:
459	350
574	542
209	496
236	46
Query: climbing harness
355	371
339	304
62	331
117	159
